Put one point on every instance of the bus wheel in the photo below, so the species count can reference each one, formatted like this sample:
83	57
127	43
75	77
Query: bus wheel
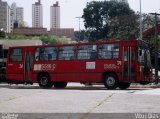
111	81
60	85
124	85
44	81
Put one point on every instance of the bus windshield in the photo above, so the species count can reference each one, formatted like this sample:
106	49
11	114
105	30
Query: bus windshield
144	57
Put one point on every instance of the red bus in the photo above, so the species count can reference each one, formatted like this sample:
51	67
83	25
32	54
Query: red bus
114	63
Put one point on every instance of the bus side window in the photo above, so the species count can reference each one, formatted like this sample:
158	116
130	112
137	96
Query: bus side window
42	55
49	56
15	55
51	53
93	53
67	53
46	53
37	54
108	51
87	52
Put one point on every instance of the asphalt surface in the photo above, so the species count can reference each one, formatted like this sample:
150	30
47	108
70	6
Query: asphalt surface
77	98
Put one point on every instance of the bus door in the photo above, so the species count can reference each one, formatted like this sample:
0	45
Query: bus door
15	64
28	66
129	64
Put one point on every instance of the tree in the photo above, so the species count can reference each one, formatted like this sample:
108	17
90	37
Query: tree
81	35
103	18
21	24
2	34
52	40
44	39
17	37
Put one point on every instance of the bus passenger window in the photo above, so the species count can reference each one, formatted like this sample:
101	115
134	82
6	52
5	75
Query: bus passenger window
93	55
87	52
51	53
46	54
37	54
15	55
115	55
108	51
49	56
43	54
67	53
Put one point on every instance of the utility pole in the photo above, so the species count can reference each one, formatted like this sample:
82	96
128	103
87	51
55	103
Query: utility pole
79	18
141	35
156	48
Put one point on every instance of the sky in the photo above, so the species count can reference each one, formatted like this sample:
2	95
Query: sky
70	9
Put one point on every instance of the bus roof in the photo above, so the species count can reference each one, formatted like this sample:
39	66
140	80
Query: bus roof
12	43
124	42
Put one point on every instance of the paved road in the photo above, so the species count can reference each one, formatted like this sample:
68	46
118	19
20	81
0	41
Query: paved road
77	99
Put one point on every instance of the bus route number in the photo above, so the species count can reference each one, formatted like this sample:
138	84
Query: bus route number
48	66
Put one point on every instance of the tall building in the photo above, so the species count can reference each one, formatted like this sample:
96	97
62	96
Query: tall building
37	15
55	16
16	15
126	1
19	13
4	17
13	14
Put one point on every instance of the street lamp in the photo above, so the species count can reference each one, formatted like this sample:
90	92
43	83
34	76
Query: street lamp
79	18
141	35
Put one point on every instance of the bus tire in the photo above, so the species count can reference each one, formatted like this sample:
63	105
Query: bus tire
124	85
60	85
111	81
44	81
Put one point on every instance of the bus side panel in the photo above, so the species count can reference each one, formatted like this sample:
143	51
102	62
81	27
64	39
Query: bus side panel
58	70
93	70
78	71
69	71
74	71
87	71
14	71
110	66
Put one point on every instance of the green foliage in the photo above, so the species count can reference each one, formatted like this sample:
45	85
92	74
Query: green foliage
35	38
81	36
124	27
103	18
44	39
17	37
2	34
52	40
21	24
149	22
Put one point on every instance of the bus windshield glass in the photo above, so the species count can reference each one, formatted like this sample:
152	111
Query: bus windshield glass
144	57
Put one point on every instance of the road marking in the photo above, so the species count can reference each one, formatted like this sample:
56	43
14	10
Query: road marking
99	104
